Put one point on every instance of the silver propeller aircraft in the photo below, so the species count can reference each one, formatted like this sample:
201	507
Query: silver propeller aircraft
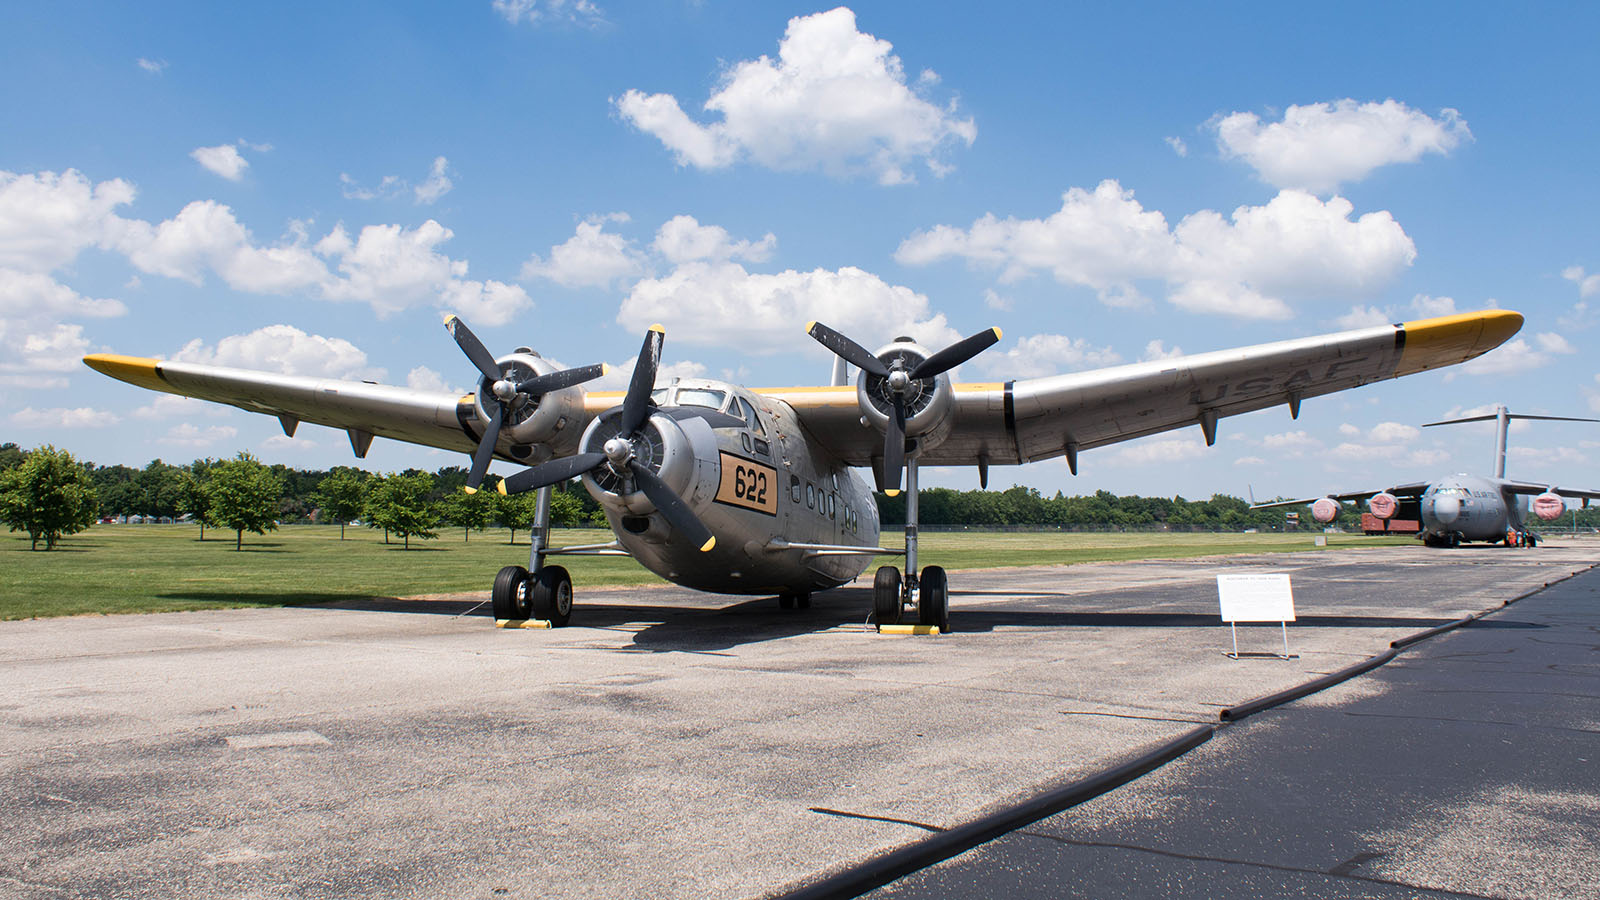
726	489
1459	508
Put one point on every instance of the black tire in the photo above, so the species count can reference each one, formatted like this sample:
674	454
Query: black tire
1532	541
1455	539
886	596
803	601
510	596
786	601
551	596
934	598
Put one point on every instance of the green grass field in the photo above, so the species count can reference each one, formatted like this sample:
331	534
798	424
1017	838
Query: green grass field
161	568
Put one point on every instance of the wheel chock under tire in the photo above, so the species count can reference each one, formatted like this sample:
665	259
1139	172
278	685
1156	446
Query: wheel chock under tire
909	629
523	623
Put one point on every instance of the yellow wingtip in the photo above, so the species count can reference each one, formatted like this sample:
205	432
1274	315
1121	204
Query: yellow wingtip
710	542
1447	340
136	370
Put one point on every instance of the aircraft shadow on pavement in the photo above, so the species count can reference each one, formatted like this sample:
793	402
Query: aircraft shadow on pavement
989	619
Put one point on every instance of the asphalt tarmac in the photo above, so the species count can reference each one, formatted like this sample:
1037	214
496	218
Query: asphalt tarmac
672	744
1467	767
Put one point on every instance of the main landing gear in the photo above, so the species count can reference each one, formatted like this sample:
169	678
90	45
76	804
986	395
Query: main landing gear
927	592
544	593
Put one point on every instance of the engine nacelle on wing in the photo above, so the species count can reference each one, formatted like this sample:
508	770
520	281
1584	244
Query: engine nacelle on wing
927	405
1383	505
682	451
1325	509
547	419
1549	506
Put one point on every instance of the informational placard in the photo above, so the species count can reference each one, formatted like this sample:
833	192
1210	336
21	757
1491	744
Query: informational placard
1255	598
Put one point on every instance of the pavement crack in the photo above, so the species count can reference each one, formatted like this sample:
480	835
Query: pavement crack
1273	867
843	814
1111	715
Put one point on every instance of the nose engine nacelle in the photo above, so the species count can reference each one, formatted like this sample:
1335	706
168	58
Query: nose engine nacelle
1549	506
928	401
682	452
546	419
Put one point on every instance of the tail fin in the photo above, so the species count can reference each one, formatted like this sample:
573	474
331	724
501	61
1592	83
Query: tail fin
1503	416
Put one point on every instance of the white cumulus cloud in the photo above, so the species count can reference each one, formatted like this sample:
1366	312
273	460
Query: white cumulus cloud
81	417
1516	356
223	160
1047	354
592	257
1253	264
1149	452
1321	145
188	434
286	349
835	100
539	12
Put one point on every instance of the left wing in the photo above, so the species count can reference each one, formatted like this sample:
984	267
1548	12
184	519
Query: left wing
1038	418
1414	489
362	409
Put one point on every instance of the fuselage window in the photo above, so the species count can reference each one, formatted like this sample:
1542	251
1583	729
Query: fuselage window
750	417
763	448
833	506
811	496
744	438
794	488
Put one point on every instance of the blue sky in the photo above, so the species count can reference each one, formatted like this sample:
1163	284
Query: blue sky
308	187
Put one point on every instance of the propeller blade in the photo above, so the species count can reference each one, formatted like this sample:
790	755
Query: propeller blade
555	381
552	472
677	512
894	448
636	405
469	343
956	354
485	451
852	352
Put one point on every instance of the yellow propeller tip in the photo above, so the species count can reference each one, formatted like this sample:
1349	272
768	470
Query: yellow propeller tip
658	327
605	368
997	334
810	325
501	487
449	317
892	493
710	542
470	490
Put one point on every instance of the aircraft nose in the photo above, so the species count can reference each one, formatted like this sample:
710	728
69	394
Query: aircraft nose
1446	509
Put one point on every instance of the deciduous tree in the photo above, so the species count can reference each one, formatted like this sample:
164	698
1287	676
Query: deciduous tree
400	503
48	495
341	496
242	494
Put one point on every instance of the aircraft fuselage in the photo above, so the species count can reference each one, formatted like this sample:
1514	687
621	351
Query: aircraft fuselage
1475	507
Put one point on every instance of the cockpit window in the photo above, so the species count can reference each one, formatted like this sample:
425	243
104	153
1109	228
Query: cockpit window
658	396
702	397
750	417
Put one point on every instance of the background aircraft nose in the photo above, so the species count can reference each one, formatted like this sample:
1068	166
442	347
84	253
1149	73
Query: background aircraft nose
1446	509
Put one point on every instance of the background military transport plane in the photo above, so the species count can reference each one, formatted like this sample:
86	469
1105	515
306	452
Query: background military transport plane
723	488
1458	508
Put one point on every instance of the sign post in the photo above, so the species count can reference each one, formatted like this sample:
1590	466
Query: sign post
1256	598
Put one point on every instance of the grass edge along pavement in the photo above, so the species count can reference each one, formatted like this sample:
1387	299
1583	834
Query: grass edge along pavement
166	568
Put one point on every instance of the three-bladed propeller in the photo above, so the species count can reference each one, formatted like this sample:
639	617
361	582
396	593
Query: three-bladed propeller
504	393
620	453
894	379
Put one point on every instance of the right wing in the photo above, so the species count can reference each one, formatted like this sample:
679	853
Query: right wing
1038	418
1414	489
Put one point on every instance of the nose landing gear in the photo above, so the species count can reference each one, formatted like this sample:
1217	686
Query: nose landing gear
927	591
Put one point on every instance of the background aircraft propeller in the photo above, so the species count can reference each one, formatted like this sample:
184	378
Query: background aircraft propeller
620	455
895	380
505	393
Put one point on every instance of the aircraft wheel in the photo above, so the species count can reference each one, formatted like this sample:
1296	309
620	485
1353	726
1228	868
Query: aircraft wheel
934	599
1455	540
1532	541
802	600
886	596
551	596
510	596
786	601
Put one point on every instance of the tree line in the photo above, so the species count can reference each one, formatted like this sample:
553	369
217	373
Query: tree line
49	494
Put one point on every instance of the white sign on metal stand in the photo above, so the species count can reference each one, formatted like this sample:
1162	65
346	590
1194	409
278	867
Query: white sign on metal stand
1256	598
